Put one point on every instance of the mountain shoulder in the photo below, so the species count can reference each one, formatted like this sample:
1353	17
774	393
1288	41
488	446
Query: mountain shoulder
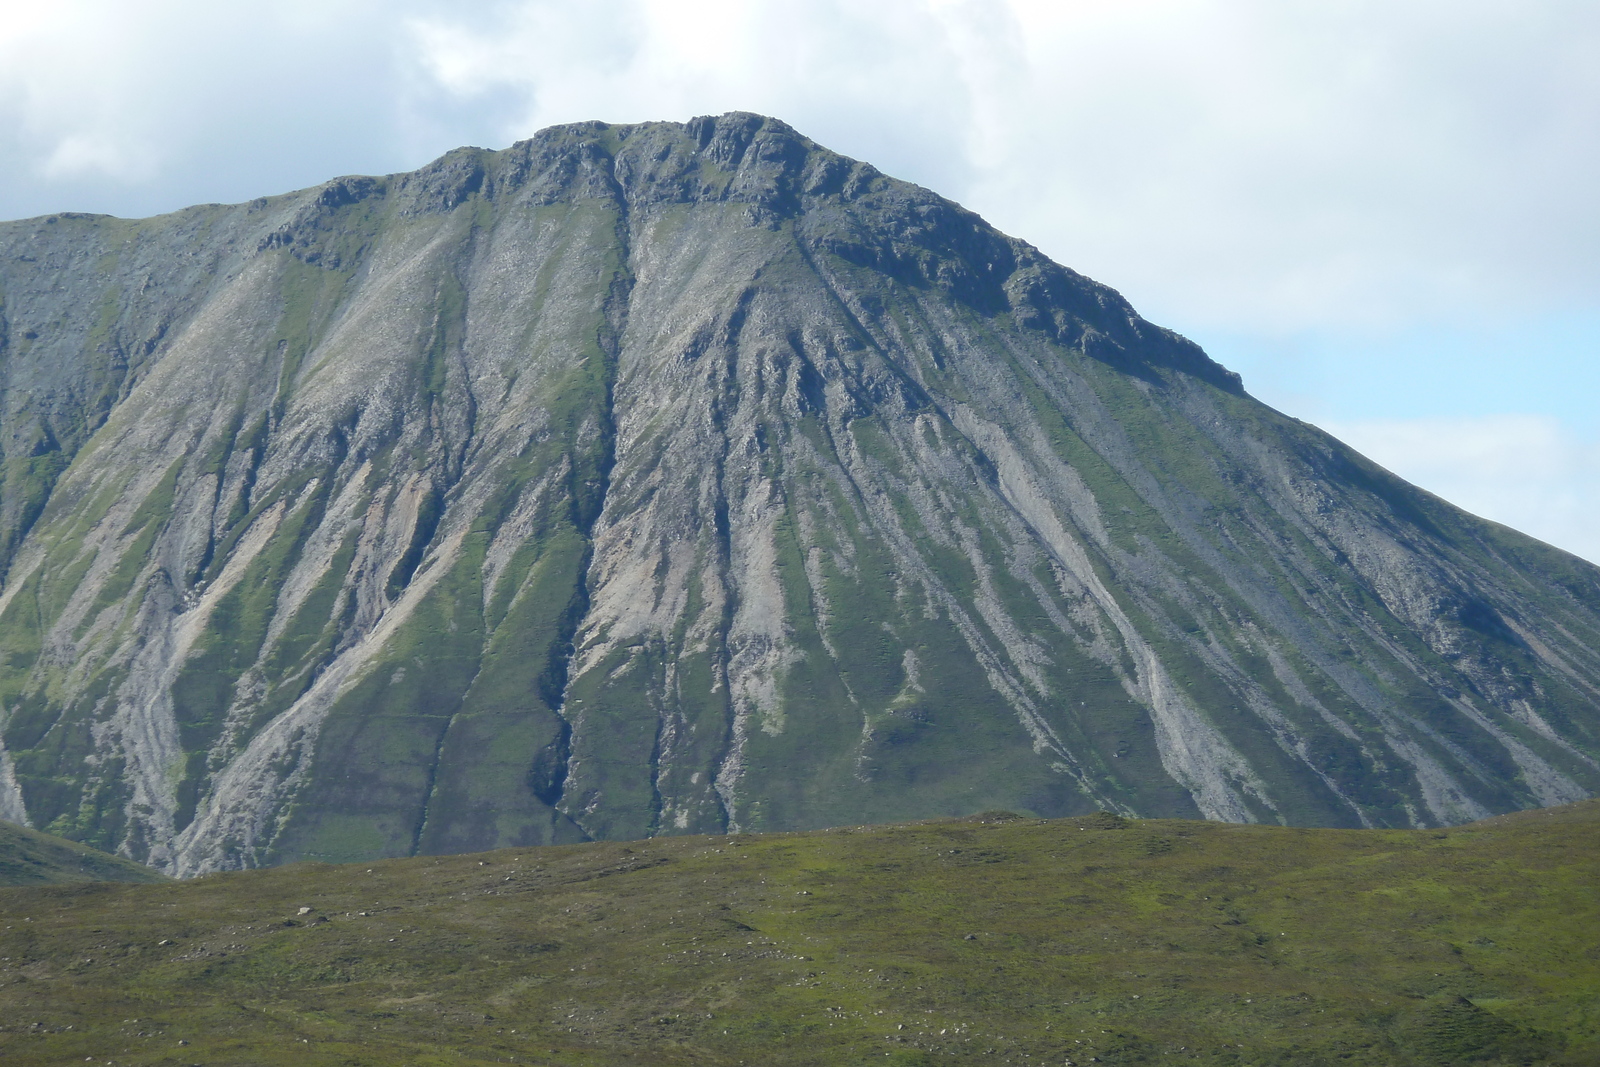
28	857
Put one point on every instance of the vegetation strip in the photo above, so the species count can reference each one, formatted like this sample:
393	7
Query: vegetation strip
994	939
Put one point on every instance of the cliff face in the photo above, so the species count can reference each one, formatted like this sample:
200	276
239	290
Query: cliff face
660	478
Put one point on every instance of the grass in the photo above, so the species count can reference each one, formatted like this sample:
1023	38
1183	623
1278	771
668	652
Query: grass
28	857
994	939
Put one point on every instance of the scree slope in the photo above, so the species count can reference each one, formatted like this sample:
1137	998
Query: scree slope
682	478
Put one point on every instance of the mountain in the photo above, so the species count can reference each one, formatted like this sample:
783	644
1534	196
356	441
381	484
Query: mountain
28	857
668	478
982	940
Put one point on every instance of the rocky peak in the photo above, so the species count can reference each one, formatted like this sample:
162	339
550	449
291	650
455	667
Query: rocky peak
679	478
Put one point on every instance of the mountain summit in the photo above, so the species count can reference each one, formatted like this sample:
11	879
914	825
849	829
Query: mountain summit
680	478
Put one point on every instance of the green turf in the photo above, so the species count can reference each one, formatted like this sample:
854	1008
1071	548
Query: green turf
994	939
28	857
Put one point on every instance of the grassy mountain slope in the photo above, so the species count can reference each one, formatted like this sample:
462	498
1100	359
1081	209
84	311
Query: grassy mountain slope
28	857
994	939
657	479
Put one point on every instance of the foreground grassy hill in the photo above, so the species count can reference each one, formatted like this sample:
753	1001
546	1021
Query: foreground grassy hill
995	939
28	857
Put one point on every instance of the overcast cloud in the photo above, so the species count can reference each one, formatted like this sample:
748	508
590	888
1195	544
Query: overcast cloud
1378	212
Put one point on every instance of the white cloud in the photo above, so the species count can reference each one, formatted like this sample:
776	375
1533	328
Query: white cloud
135	108
1298	165
60	109
1524	471
1232	164
881	80
79	154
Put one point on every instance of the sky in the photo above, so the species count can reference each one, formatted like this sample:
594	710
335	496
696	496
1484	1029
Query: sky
1382	214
